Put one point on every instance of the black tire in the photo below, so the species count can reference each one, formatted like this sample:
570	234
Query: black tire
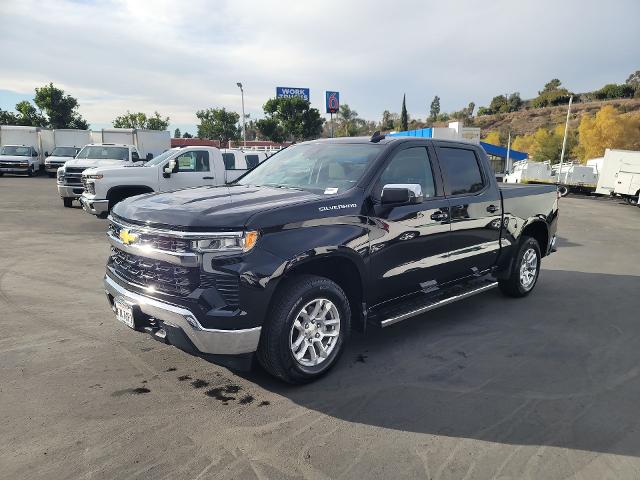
51	174
514	285
30	172
274	351
563	191
67	201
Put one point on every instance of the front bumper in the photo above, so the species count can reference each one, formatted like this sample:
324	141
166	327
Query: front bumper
70	191
14	169
52	167
94	207
174	323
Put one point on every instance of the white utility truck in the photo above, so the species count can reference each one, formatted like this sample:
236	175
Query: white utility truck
236	159
628	182
526	171
92	155
617	162
17	136
58	158
19	159
173	170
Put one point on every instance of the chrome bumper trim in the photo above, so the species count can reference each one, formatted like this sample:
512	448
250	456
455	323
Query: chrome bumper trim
181	259
206	340
94	207
68	190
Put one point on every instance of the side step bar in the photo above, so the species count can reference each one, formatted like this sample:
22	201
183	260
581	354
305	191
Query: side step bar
430	303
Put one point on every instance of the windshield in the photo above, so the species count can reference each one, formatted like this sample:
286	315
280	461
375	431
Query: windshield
101	152
16	151
318	167
64	152
159	159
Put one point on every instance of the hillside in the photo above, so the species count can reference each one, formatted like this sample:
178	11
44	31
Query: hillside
528	121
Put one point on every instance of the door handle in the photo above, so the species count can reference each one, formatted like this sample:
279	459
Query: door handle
207	178
439	216
492	209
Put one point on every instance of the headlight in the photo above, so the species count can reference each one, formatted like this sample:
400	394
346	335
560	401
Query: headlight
226	244
97	176
61	174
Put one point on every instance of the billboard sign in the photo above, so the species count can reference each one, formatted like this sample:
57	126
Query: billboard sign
284	92
332	101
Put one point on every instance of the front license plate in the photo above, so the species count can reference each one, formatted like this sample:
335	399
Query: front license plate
124	312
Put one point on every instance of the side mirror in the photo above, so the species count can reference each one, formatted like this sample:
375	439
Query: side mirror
46	154
401	194
34	154
149	156
172	167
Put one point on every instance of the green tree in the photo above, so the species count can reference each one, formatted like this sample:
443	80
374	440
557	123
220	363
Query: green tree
499	104
176	133
434	109
349	124
61	109
611	91
187	135
140	120
404	116
29	116
388	120
218	124
290	118
552	94
8	118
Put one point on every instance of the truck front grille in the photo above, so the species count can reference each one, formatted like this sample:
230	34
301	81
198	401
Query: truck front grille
73	175
161	276
170	244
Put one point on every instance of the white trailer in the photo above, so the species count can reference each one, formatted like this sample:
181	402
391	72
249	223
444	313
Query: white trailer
575	175
612	165
67	137
148	142
526	171
152	142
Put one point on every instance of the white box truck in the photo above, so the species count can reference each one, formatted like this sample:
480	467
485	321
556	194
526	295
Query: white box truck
612	165
150	143
19	136
68	143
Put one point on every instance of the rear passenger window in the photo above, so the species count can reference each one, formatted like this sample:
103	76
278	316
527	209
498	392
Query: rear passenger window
461	170
252	160
229	161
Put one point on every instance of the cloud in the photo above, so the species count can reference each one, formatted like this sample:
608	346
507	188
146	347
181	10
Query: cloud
177	57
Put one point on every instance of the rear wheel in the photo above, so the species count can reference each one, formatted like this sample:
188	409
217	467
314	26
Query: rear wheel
524	270
563	191
306	330
67	201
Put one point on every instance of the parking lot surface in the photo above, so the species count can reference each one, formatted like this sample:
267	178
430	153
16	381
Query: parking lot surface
544	387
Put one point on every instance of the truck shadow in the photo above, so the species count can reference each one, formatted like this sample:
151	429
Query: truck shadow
559	368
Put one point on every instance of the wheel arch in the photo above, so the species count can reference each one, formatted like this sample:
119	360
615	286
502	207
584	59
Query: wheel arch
133	189
342	267
539	230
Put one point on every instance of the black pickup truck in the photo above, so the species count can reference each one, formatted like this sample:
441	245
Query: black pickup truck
322	238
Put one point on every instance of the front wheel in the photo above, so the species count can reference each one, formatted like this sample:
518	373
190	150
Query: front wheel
67	202
306	329
563	191
524	270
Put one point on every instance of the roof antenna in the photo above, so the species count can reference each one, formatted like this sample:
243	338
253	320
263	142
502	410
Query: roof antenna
376	137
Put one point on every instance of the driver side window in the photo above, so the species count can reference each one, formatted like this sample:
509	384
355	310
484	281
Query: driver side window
193	161
408	166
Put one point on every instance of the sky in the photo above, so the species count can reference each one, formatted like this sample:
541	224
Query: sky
178	57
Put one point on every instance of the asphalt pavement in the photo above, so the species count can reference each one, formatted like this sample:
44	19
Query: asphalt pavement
546	387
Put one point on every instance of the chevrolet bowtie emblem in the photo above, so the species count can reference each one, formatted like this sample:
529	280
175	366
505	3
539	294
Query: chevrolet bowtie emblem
127	237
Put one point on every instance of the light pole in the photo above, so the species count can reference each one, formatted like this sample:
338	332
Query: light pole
244	128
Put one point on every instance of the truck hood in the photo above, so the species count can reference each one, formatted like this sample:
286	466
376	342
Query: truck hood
93	162
120	169
13	158
208	208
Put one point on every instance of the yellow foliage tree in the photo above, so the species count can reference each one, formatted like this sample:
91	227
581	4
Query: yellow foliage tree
608	129
523	143
493	138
